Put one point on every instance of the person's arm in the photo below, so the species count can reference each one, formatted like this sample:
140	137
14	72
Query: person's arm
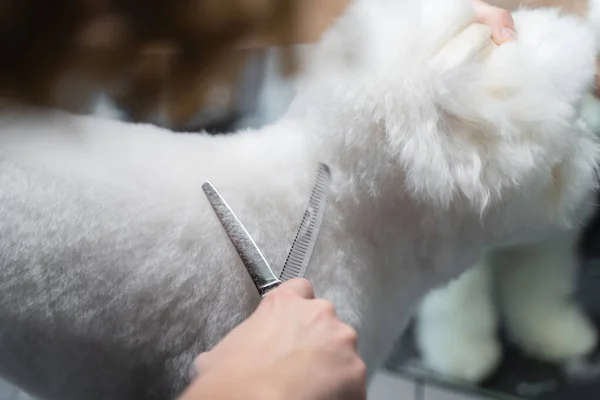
292	347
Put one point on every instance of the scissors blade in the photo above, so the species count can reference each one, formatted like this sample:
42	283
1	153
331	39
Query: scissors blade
261	273
302	249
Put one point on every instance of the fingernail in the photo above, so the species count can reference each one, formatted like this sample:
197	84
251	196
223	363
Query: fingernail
508	34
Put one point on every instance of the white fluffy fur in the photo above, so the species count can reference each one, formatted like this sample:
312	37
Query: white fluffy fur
449	347
457	324
115	273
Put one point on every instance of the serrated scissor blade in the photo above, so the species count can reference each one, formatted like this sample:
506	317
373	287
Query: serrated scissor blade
304	243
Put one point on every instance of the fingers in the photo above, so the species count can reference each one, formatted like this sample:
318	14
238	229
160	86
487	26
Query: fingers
358	371
300	287
503	27
499	20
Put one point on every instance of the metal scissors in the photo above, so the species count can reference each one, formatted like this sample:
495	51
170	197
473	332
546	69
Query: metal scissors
300	253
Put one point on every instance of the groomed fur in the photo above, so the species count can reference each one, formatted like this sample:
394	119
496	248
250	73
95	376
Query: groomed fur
115	272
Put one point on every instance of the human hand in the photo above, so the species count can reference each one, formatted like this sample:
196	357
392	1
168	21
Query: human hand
498	19
292	347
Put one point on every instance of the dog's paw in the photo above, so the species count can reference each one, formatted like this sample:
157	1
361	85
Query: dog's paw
563	335
467	358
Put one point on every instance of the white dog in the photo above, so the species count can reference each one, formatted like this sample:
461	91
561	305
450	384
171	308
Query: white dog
115	271
457	324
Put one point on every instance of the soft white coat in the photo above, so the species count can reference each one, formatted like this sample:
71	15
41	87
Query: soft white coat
457	329
115	273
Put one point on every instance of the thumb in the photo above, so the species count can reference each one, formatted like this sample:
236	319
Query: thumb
498	19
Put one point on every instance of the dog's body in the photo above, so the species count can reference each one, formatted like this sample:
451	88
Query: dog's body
115	273
457	325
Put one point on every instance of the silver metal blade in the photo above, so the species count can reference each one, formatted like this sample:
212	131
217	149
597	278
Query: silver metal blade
261	273
300	254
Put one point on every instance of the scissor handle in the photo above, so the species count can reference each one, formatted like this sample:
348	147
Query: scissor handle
265	290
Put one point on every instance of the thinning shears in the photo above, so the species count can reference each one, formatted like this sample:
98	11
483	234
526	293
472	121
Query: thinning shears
302	248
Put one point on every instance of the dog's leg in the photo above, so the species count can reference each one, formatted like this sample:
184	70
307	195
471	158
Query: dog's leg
456	327
536	285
